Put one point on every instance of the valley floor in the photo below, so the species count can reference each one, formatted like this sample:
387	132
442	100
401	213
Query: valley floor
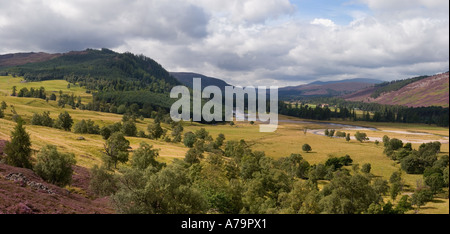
288	139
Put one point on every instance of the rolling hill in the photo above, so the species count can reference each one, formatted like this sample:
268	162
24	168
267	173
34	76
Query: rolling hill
101	64
116	78
330	88
420	91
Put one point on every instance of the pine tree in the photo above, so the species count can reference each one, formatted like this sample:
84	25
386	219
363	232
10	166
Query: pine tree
18	151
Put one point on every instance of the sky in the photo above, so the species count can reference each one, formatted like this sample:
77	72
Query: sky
244	42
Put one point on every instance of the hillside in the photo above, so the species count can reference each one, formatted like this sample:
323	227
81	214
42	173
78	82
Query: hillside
415	92
138	79
95	69
17	59
186	79
332	88
23	192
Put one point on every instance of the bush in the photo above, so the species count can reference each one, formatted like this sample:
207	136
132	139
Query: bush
155	130
346	160
54	167
86	127
103	182
361	136
145	156
366	168
189	139
42	120
395	144
129	128
105	132
340	134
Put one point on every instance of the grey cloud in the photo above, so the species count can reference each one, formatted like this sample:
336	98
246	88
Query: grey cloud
41	26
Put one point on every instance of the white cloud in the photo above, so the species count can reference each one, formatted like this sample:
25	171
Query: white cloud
324	22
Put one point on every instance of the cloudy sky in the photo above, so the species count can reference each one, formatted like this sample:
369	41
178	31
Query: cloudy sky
245	42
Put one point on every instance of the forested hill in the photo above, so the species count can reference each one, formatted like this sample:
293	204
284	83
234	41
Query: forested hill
99	70
187	79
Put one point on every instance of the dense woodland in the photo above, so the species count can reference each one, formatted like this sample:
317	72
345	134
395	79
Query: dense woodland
371	112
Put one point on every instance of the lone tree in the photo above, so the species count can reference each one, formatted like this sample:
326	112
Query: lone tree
64	121
307	148
18	151
116	149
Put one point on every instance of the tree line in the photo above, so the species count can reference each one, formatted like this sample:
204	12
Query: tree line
371	112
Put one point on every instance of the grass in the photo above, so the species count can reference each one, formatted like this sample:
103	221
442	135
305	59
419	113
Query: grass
288	138
51	86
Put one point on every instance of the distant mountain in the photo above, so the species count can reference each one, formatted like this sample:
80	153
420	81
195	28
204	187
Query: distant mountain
186	78
414	92
327	88
356	80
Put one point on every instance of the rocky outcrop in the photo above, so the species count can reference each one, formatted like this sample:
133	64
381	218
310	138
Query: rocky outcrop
23	181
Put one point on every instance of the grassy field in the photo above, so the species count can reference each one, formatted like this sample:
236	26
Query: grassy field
288	139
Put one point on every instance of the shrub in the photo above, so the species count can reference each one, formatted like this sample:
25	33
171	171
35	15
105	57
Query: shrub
366	168
129	128
103	182
145	156
361	136
340	134
54	167
155	130
189	139
395	144
86	127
